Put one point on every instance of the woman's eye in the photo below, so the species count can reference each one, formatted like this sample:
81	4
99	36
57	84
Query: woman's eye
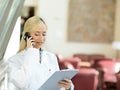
37	34
44	34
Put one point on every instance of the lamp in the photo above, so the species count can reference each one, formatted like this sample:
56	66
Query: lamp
116	45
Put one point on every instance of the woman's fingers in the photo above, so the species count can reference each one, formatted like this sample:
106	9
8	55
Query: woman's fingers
66	83
30	42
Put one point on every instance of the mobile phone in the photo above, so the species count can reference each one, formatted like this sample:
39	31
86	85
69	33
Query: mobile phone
26	35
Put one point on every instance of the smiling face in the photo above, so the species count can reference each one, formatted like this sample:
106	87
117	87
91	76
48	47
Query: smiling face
37	29
38	33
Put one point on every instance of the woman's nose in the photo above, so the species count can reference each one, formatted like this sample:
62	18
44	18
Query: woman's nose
41	38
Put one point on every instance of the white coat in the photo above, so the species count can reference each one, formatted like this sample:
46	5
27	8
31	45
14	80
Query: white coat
25	71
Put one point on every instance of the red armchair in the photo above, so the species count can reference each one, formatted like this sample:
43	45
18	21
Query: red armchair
108	70
118	81
86	79
69	62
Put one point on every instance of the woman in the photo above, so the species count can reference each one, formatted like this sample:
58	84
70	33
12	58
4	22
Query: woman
32	65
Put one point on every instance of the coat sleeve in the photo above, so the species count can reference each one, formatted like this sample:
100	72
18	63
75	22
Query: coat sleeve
55	62
19	73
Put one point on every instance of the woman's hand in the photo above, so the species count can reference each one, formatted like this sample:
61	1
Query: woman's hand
66	83
30	42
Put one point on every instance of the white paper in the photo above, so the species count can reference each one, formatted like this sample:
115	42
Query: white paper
52	82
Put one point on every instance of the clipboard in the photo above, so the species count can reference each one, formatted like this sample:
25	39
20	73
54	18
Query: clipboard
52	82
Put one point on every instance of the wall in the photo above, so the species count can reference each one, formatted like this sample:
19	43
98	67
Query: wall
55	14
117	25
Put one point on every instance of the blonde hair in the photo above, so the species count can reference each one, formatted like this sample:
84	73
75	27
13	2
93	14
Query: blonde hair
28	27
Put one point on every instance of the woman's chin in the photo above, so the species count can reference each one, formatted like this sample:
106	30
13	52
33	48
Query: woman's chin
38	47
